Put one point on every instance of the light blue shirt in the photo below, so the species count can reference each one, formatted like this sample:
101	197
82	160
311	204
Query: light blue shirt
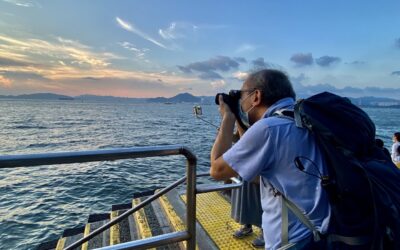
268	148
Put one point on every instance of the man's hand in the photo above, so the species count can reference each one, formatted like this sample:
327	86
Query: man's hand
224	109
220	170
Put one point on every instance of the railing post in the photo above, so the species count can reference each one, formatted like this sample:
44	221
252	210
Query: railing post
190	198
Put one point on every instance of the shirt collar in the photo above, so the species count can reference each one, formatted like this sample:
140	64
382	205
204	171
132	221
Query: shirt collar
287	102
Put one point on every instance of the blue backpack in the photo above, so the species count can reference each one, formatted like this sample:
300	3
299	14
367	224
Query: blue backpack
363	185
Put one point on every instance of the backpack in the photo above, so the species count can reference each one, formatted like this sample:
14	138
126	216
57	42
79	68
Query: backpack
363	185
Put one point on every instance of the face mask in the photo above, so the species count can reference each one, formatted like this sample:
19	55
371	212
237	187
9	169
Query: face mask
244	116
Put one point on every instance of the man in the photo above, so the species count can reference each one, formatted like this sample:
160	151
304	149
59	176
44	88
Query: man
268	149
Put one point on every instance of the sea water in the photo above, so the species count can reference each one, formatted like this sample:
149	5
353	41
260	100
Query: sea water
38	203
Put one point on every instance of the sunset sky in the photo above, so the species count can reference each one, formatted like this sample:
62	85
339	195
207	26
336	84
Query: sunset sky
162	48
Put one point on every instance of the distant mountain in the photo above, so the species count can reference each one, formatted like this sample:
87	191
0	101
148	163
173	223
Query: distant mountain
157	99
39	96
371	101
184	97
97	98
368	101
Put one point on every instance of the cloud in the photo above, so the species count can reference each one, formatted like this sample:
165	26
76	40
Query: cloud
240	75
25	60
396	73
240	59
210	75
301	85
21	3
222	63
177	30
11	62
302	59
129	27
20	76
397	43
208	68
259	63
91	78
72	43
305	91
326	61
186	89
119	87
298	80
5	82
245	48
184	69
125	25
357	62
140	53
31	52
219	84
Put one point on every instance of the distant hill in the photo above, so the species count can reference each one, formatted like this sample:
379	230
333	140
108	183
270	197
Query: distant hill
97	98
371	101
39	96
368	101
184	97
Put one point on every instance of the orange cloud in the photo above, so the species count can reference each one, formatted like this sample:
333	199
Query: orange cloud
67	59
5	82
64	65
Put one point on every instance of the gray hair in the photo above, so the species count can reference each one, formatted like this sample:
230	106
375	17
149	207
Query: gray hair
274	85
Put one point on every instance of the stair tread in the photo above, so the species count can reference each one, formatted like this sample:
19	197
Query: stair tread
48	245
100	240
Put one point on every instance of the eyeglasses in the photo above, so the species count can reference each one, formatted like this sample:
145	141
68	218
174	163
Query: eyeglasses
237	94
246	90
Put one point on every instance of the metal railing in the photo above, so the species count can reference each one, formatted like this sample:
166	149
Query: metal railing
189	235
29	160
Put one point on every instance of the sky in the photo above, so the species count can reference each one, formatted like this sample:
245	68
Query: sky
162	48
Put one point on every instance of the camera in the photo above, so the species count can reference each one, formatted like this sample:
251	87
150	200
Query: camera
232	100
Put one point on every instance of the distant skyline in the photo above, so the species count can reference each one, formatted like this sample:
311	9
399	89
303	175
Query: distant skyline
162	48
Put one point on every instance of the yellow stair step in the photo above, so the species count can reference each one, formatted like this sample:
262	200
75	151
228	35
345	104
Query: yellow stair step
101	240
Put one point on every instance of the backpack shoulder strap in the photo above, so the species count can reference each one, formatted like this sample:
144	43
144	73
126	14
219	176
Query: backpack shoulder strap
287	204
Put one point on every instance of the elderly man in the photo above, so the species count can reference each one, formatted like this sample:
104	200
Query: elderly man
268	149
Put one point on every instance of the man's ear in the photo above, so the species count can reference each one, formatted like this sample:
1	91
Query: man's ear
257	97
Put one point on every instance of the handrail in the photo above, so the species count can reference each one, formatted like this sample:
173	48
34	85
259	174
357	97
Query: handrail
30	160
11	161
125	214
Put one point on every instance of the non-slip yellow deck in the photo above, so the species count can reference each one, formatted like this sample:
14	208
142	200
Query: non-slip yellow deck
213	213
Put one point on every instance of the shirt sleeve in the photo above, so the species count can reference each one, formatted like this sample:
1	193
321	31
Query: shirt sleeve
252	153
